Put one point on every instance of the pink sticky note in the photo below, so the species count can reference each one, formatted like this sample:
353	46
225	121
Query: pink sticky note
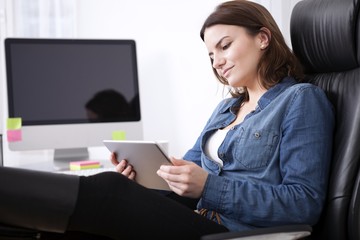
14	135
85	163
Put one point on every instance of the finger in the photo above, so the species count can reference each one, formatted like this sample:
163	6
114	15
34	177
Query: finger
113	159
170	186
176	170
177	188
132	175
178	162
167	176
121	166
127	171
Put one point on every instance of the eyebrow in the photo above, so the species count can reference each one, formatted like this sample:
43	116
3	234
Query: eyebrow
217	45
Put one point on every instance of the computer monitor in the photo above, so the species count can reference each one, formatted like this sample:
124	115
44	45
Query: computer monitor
72	94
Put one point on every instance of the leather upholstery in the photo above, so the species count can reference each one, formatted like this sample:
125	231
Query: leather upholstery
354	212
325	37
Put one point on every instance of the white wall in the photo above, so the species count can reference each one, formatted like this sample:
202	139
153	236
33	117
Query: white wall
177	87
2	65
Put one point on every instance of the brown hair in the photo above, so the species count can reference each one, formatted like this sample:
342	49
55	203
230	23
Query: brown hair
278	61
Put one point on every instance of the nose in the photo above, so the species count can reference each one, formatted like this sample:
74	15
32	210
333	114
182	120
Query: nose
218	62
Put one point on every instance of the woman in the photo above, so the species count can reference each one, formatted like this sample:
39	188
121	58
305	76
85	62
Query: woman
263	157
261	160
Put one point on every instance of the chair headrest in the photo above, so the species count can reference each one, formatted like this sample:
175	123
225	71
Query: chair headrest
325	33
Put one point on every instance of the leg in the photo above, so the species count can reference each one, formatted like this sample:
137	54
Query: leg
189	202
37	200
109	204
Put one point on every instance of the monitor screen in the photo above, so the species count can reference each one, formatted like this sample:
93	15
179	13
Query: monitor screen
72	93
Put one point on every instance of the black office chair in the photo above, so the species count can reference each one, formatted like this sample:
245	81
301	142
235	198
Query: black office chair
325	36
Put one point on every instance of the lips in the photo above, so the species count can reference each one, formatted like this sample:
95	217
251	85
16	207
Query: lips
226	72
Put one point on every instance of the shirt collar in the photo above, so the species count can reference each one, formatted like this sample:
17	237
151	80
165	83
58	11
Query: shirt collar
268	96
274	91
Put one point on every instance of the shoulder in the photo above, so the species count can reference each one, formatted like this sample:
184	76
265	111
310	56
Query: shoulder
306	90
300	96
309	96
305	86
288	91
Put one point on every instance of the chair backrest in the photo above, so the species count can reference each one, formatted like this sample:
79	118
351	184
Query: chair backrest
325	37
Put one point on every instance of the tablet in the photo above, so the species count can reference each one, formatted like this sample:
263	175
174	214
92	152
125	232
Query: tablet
145	156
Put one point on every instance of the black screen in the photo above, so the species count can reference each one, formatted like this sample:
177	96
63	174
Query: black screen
57	81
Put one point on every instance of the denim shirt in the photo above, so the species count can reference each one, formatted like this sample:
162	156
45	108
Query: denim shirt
275	163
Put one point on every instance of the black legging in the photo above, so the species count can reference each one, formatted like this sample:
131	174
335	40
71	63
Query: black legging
109	204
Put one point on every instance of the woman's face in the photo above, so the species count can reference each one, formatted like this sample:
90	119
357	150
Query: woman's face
235	54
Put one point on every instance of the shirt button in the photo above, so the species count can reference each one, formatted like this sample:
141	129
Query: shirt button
257	135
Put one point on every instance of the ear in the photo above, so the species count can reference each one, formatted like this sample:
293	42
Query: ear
264	37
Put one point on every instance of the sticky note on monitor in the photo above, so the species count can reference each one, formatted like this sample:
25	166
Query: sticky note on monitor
14	135
13	123
13	126
118	135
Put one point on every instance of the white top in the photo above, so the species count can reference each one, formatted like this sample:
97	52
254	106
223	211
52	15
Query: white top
213	144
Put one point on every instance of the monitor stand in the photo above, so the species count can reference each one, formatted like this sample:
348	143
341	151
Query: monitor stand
63	157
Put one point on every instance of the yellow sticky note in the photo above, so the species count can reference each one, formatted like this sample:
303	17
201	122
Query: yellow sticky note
79	167
13	123
86	164
118	135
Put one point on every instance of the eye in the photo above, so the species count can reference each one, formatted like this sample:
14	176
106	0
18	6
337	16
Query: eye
226	46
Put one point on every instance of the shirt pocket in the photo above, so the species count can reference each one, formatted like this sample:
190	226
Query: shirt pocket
255	147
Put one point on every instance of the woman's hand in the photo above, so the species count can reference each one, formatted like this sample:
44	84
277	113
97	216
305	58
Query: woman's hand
123	167
184	178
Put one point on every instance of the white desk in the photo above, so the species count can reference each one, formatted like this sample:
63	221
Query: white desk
43	160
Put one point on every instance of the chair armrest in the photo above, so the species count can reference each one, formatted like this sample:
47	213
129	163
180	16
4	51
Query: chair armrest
288	232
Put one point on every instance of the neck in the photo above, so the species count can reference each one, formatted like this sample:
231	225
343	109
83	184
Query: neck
255	94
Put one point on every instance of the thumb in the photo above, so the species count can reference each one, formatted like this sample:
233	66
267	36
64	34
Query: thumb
178	162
